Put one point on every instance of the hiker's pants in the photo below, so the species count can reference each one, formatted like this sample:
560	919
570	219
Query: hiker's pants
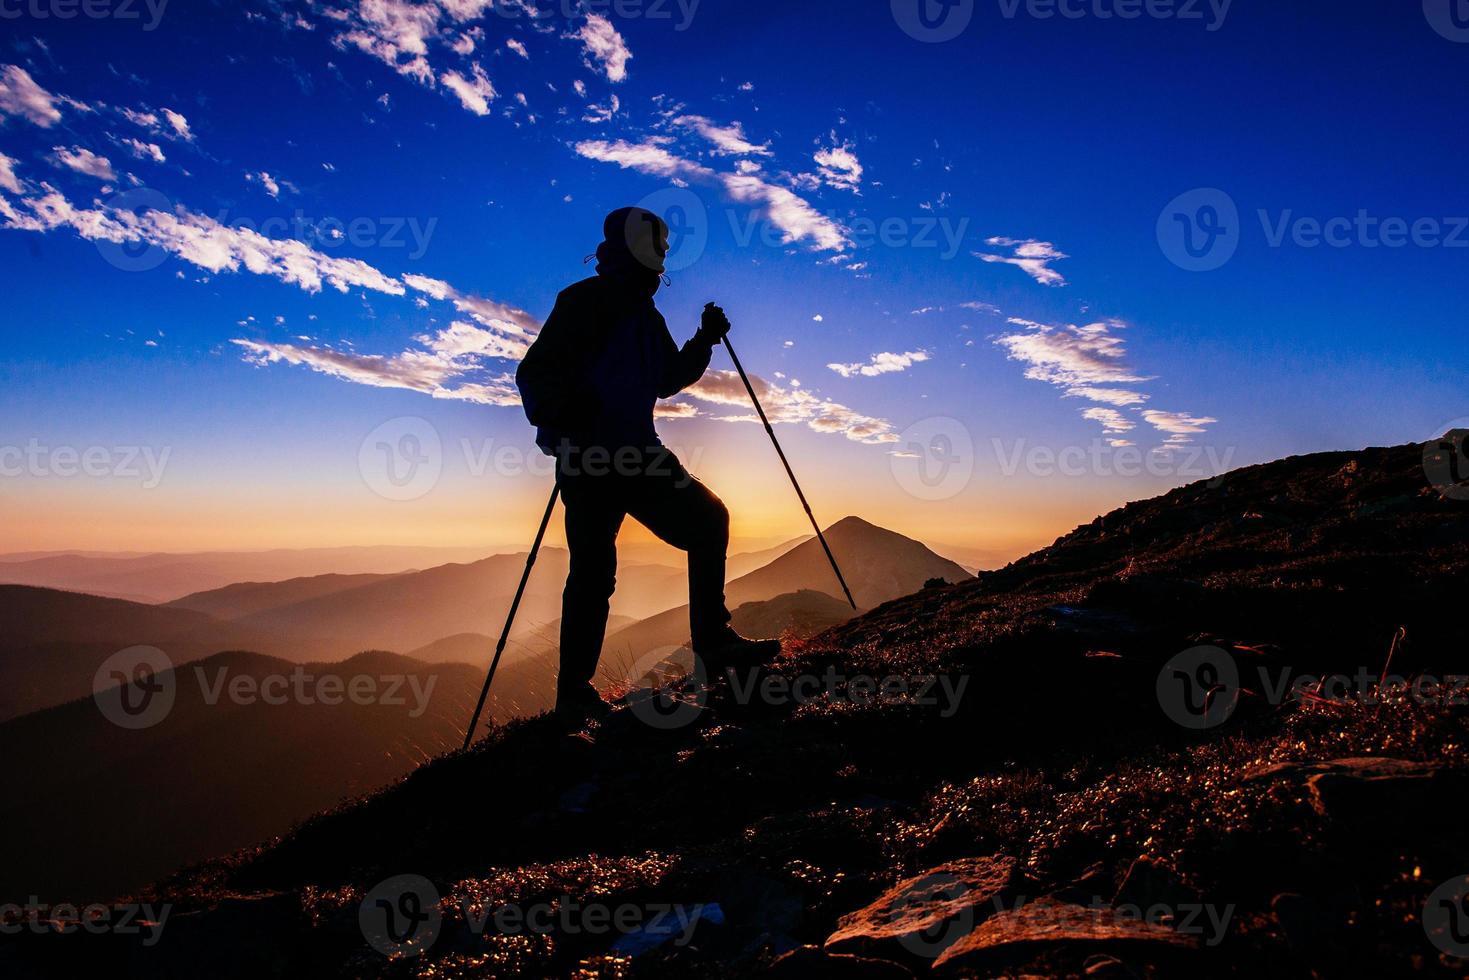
599	491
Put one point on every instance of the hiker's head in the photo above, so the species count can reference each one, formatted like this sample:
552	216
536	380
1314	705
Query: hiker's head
634	246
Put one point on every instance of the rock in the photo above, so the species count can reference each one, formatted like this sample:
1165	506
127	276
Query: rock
1103	967
918	918
1150	884
1049	922
814	962
1361	789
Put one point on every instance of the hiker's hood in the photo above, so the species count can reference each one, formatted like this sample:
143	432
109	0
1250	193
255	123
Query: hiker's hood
634	246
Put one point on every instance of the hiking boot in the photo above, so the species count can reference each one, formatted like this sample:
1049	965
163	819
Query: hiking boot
727	646
581	706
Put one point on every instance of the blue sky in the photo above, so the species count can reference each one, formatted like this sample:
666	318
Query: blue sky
840	176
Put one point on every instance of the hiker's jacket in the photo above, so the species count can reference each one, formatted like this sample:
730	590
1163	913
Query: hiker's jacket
599	366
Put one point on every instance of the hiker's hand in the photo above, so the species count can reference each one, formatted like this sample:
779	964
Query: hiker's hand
714	325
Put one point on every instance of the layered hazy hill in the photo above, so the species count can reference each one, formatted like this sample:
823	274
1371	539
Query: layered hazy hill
95	809
162	577
878	564
214	775
1061	792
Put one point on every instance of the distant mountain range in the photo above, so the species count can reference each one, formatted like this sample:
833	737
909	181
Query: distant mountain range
163	577
116	808
212	777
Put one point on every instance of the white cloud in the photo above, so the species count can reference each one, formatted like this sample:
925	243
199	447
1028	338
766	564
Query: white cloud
518	48
1072	357
727	140
795	217
790	405
603	113
1120	397
8	180
885	363
645	158
1180	426
1032	256
1090	363
21	96
437	370
487	312
199	240
839	166
475	94
265	180
144	151
605	48
1112	420
84	161
179	125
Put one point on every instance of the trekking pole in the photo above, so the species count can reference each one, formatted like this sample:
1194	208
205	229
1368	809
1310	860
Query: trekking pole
530	562
789	472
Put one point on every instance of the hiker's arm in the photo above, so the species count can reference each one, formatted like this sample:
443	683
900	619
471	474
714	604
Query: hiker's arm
549	388
687	365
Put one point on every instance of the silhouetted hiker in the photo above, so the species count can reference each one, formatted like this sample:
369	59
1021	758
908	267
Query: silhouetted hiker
589	384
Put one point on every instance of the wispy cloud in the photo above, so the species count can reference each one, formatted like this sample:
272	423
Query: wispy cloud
8	180
84	161
727	140
1180	427
444	366
885	363
1090	363
1030	255
199	240
21	96
791	405
839	165
1072	357
143	151
796	218
475	93
605	48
